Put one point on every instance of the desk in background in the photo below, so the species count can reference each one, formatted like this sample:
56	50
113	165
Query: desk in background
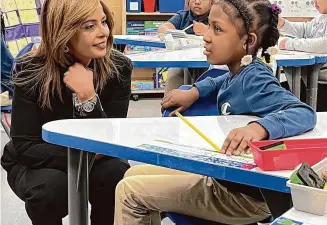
194	58
139	40
120	138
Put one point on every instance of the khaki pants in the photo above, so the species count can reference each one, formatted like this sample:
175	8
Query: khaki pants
175	78
147	190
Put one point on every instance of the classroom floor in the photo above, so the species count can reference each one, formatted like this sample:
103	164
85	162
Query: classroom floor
12	208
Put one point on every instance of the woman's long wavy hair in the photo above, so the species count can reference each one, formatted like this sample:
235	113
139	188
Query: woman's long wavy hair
59	21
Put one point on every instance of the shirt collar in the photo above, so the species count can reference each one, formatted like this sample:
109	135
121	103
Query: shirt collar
203	18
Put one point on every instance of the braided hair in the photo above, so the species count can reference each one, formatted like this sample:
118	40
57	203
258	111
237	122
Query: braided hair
245	16
259	17
270	34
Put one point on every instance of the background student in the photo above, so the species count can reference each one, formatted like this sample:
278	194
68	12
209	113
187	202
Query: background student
310	37
196	15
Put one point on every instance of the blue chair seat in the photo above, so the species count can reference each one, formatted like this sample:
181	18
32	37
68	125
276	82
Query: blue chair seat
205	106
179	219
6	108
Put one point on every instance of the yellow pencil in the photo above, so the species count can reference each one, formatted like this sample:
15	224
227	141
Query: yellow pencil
198	131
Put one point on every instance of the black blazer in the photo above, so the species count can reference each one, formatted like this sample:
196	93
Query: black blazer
27	149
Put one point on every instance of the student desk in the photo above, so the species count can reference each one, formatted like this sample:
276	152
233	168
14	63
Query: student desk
194	58
119	138
310	71
303	218
139	40
313	79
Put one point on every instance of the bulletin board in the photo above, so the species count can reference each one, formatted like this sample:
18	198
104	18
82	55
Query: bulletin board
22	23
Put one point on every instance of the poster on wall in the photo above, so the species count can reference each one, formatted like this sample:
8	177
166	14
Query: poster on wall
297	8
21	19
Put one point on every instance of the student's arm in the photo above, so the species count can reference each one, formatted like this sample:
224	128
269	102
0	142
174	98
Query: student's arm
312	45
210	85
297	29
283	114
174	22
163	27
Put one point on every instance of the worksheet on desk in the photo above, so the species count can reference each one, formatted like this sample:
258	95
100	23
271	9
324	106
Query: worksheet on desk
167	147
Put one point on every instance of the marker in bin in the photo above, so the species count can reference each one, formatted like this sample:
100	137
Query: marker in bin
275	146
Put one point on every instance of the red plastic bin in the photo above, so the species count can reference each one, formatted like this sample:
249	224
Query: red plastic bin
297	151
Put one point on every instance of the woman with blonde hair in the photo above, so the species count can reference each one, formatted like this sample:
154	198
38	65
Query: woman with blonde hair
74	73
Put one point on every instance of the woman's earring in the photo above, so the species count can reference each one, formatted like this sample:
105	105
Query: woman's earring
66	49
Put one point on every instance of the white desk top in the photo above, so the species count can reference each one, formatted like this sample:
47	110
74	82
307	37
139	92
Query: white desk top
304	218
191	54
132	132
139	38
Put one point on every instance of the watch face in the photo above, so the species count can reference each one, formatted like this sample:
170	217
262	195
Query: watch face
88	107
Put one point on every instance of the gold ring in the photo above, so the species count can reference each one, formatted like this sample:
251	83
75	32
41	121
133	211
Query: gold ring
65	74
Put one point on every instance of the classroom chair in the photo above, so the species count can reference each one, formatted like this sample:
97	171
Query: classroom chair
5	110
205	106
179	219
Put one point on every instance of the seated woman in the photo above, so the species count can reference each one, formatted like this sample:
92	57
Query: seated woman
74	66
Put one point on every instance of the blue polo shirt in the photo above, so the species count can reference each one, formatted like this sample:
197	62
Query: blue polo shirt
184	18
256	91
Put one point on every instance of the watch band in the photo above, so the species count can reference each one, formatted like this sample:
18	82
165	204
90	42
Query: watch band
86	106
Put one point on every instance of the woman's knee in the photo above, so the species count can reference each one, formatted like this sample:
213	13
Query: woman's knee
108	170
46	195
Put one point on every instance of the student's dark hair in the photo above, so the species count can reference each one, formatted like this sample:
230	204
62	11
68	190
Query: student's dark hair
256	16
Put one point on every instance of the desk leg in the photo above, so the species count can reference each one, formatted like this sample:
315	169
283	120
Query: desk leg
78	198
296	81
312	86
187	79
278	72
194	75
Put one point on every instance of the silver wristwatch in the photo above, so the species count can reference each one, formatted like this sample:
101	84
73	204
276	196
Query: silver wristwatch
86	106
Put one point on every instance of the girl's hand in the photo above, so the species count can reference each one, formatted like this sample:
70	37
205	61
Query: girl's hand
282	43
80	81
180	98
237	140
